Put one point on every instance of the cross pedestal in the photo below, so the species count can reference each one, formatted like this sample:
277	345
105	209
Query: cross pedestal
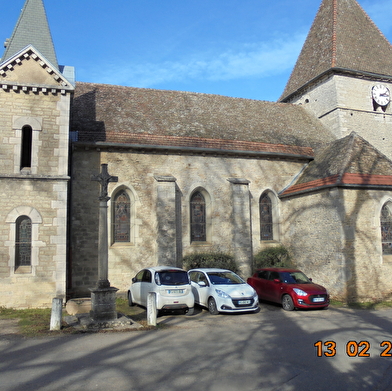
103	296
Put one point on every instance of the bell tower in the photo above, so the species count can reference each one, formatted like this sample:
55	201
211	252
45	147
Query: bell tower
344	74
34	131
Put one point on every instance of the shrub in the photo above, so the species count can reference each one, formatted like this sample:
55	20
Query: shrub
273	257
212	259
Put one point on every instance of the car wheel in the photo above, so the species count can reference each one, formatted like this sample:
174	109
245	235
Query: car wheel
190	311
287	303
130	302
212	306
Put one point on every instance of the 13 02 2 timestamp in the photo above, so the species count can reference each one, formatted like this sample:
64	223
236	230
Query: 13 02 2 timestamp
352	349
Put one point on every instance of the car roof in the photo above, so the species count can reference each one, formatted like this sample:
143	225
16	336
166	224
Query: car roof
278	269
210	269
164	268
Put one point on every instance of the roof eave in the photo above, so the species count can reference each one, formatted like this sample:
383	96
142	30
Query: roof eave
341	185
197	150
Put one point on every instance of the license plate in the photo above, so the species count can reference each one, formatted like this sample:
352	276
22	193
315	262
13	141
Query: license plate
172	291
244	302
318	299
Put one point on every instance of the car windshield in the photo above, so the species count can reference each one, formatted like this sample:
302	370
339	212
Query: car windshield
172	277
225	278
294	278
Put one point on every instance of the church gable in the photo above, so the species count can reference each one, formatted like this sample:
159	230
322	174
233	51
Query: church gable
30	68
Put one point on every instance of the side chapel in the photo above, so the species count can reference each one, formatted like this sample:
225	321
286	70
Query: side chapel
197	172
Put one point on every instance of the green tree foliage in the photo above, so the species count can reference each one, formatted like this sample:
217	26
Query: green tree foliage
273	257
211	259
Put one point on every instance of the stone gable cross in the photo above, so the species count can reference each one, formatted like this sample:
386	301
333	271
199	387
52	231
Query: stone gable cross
104	178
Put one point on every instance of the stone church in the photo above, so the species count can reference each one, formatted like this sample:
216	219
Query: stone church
197	172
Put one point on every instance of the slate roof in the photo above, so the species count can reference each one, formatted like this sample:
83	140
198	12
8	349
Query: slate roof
127	115
347	161
32	28
342	38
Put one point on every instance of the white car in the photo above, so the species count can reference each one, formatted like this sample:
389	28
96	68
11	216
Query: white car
222	290
171	286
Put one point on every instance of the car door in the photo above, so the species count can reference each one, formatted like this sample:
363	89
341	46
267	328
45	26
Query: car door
146	287
259	284
274	287
200	291
136	287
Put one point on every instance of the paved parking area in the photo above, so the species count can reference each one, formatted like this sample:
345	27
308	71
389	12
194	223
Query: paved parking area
270	350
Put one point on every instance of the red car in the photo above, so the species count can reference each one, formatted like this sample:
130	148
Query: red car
289	287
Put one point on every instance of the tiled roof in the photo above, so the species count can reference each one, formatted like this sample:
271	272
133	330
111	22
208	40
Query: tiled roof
115	114
348	161
32	28
342	37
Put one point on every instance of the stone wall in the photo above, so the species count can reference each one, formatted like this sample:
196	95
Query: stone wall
335	238
39	192
161	186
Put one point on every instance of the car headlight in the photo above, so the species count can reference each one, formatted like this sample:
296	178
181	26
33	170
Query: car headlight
300	292
222	294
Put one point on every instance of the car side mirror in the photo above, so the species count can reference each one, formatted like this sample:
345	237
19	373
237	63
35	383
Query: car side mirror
310	279
134	279
202	284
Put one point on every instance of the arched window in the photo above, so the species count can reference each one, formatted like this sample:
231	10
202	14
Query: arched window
386	229
198	217
121	217
26	145
23	242
266	220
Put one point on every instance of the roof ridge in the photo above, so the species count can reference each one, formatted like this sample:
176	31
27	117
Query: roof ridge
334	33
182	92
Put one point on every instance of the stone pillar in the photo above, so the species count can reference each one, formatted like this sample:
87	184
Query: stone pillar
56	315
103	304
103	297
242	227
166	220
151	309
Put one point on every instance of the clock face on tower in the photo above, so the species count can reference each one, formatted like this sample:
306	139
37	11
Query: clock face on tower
381	94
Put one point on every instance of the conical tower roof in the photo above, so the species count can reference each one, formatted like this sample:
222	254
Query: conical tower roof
32	28
342	38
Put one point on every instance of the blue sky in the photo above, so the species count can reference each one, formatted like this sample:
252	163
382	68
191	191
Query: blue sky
239	48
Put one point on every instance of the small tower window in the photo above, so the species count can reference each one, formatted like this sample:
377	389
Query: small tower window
266	227
23	242
198	217
27	138
122	218
386	229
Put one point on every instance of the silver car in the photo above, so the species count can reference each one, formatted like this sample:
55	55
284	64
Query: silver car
171	286
222	290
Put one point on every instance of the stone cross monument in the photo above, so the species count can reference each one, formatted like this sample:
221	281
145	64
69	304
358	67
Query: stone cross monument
103	296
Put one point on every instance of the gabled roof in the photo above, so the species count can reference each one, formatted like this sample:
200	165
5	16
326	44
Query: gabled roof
350	161
32	28
127	115
342	38
29	70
